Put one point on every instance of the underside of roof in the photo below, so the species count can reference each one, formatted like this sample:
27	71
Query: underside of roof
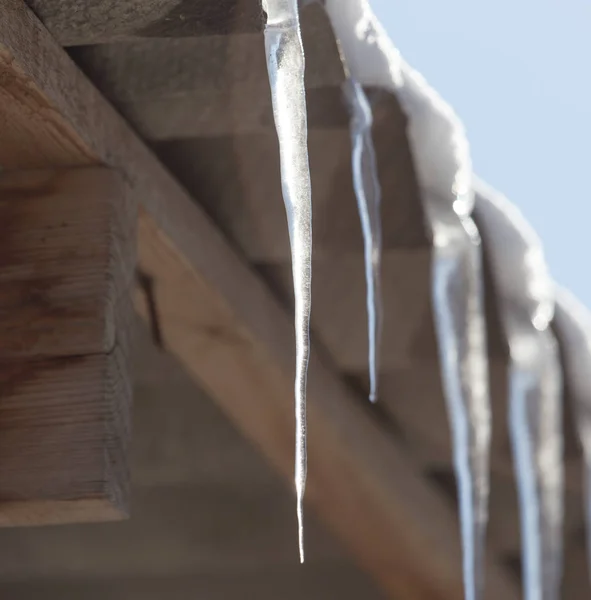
189	79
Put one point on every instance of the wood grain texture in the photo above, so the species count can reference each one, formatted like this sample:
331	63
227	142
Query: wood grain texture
86	22
34	134
203	114
67	262
204	501
250	209
66	276
64	428
76	22
175	530
239	333
230	333
161	67
217	85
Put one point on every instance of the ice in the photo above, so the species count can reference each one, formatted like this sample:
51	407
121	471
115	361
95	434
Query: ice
458	308
367	191
525	290
526	297
285	65
442	163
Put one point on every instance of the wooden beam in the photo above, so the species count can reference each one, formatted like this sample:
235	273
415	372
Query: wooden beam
87	22
202	114
214	85
339	296
160	67
232	335
75	22
66	276
288	583
240	349
251	207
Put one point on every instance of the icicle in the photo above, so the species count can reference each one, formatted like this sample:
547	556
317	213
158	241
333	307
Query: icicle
458	309
285	64
526	296
572	321
443	167
367	192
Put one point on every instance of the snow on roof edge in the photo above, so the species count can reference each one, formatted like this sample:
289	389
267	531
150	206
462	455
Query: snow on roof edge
440	146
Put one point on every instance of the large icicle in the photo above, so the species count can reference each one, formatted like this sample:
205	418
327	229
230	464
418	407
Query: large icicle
526	295
572	321
443	167
367	191
285	64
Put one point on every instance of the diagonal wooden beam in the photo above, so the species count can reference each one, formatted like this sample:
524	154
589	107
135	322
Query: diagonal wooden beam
230	333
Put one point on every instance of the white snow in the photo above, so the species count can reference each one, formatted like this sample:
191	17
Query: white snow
442	162
526	297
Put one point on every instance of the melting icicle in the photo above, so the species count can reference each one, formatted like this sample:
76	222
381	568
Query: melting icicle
443	167
458	310
573	325
526	295
285	64
367	192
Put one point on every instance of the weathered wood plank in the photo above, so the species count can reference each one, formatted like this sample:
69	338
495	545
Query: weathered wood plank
215	85
204	114
75	22
86	22
191	528
408	335
249	208
66	260
35	134
159	68
409	393
339	318
66	277
64	428
293	583
194	441
220	344
229	332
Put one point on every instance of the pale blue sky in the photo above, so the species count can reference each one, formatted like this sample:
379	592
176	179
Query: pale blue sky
518	74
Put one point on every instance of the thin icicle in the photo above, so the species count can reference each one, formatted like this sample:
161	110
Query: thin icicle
367	192
526	295
459	321
572	321
442	162
285	65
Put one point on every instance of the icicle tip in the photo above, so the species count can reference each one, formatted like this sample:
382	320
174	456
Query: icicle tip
300	510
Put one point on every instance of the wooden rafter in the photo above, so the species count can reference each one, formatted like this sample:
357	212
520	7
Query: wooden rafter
66	281
95	21
228	330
